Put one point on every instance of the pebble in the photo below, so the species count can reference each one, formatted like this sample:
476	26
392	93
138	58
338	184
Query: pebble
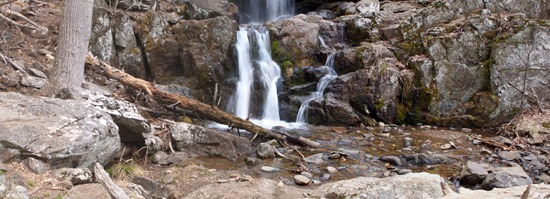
404	171
251	161
325	177
301	180
332	170
394	160
315	159
387	173
381	124
509	155
223	181
307	174
476	142
334	156
400	131
467	130
269	169
408	141
317	182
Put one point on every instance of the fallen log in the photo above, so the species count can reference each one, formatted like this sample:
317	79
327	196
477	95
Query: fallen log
210	112
102	177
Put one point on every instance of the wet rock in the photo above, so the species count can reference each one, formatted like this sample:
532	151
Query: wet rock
250	161
349	152
325	177
413	185
64	133
307	174
472	173
200	141
332	170
269	169
75	175
506	177
301	180
394	160
509	155
423	159
36	166
315	159
265	151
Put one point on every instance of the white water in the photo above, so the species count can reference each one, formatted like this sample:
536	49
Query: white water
244	86
258	12
321	86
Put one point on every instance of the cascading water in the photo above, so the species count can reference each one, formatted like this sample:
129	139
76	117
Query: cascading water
323	83
258	12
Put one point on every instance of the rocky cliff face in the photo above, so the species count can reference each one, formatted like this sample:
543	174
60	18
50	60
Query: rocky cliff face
443	62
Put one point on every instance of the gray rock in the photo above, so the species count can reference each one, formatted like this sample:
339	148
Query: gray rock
96	190
404	171
153	188
269	169
132	126
315	159
472	173
265	151
64	133
394	160
332	170
36	166
301	180
509	155
30	81
307	174
250	161
75	175
197	140
37	73
506	177
425	159
160	157
412	185
325	177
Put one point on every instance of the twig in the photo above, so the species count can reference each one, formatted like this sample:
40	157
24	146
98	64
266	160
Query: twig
12	63
6	3
40	28
277	152
17	24
215	94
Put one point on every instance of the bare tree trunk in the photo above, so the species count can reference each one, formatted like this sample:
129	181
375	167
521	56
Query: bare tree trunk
74	34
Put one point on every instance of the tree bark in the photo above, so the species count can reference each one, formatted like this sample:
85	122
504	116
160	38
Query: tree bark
74	35
210	112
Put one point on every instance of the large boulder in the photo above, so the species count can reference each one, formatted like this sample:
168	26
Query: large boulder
200	141
472	173
207	51
296	40
63	133
413	185
506	177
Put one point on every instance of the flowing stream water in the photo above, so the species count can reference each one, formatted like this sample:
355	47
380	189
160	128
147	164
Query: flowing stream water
321	86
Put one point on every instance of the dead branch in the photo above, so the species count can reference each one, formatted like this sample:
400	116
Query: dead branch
17	24
209	111
12	63
40	28
102	177
6	3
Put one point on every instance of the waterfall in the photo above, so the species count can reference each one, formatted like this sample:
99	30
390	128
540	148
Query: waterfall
321	85
254	54
244	86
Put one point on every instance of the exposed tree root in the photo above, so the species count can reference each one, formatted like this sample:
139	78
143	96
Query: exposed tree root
210	112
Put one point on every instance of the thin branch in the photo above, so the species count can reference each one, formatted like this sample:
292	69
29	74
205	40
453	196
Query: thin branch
6	3
17	24
12	63
40	28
